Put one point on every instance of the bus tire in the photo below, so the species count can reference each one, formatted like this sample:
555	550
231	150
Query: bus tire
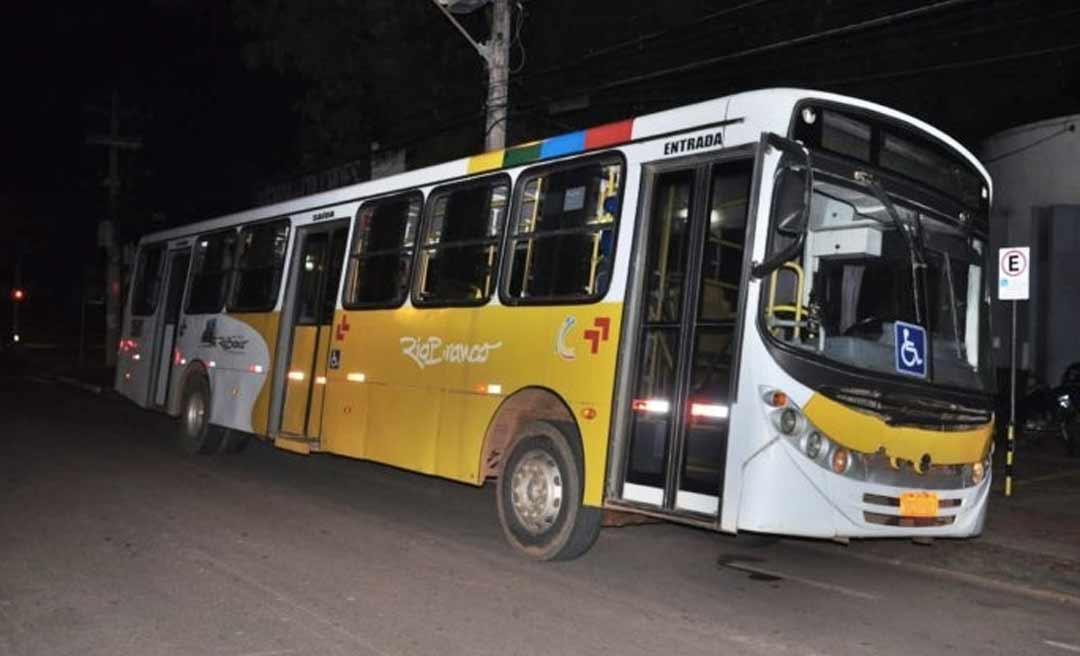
757	540
539	494
233	441
195	433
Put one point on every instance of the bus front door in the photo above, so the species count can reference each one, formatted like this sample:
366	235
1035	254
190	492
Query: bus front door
315	276
681	396
176	279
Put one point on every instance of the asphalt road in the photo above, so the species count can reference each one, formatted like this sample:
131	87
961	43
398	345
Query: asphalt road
112	542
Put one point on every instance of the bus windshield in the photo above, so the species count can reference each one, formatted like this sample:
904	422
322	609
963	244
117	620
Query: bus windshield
870	260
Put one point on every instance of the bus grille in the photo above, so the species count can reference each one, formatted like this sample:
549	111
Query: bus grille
908	522
894	502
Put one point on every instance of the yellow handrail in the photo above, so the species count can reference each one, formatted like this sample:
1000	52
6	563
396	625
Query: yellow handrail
772	308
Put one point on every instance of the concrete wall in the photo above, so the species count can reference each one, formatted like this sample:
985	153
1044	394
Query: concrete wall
1036	174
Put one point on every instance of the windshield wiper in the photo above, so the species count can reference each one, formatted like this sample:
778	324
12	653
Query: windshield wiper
913	241
952	306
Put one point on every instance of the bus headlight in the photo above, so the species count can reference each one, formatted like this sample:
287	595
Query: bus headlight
978	472
789	421
841	460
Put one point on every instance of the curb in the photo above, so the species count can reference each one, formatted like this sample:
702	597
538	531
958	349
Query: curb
74	382
99	390
1042	594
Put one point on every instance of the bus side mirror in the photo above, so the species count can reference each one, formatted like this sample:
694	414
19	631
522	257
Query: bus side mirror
793	188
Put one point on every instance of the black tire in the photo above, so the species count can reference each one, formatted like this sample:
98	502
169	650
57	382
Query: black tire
233	441
195	434
757	540
1071	432
552	524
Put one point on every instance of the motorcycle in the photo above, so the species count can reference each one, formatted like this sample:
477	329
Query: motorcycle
1055	410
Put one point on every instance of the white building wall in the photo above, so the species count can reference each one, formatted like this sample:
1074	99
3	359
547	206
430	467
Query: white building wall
1036	173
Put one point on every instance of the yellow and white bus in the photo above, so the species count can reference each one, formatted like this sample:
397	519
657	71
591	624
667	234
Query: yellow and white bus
765	312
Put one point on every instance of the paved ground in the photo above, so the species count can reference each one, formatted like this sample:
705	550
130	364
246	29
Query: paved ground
111	542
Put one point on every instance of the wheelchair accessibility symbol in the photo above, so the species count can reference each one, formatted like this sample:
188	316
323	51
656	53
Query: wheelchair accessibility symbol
910	341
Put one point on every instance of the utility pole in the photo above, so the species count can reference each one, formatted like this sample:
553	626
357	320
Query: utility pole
107	228
496	55
17	297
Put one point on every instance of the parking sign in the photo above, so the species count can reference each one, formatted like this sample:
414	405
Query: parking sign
1014	271
910	341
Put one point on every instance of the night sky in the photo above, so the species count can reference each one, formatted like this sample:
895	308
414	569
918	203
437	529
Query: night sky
226	97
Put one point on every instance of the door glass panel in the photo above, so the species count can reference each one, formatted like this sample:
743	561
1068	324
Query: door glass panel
658	368
177	281
668	248
721	265
312	263
709	391
338	241
707	419
651	407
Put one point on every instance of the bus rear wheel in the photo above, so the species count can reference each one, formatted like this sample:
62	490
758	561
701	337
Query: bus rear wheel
195	433
540	492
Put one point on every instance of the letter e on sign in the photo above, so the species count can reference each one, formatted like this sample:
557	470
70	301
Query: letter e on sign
1014	272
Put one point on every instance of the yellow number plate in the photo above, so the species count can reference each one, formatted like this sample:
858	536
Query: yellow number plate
918	504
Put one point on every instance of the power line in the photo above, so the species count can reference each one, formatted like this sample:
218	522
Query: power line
880	53
637	41
786	43
1053	135
954	65
795	41
528	108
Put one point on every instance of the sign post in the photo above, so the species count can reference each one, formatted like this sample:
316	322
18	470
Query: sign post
1014	273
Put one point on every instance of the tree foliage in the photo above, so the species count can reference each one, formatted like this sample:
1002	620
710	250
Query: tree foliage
370	69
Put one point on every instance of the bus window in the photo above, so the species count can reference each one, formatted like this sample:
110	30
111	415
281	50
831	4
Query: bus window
144	297
259	266
721	266
382	251
563	233
210	268
460	247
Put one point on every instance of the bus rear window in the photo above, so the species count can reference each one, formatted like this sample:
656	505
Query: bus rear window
382	250
563	233
259	267
212	262
460	248
144	296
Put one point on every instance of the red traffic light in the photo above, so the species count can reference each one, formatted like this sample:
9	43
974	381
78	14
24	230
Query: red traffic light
18	294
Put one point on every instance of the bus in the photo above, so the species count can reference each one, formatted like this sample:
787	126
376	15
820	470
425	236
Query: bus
766	312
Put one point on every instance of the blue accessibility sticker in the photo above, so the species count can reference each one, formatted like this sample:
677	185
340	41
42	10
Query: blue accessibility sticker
910	341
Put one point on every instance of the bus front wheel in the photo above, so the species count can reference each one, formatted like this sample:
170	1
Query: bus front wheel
540	492
195	433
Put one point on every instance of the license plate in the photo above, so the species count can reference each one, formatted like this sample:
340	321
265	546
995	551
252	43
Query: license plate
918	504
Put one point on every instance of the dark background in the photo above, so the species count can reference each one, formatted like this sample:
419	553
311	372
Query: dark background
226	98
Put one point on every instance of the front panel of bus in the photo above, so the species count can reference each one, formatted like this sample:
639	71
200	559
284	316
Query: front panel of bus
865	353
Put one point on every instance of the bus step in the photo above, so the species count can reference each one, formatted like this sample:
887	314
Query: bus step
297	444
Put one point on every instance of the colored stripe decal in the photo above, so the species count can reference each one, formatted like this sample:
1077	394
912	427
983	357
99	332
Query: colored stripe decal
566	144
608	135
486	162
522	154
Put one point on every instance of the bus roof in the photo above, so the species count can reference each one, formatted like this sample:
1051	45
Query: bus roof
776	102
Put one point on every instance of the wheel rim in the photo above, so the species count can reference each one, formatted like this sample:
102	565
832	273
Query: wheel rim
536	491
194	415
